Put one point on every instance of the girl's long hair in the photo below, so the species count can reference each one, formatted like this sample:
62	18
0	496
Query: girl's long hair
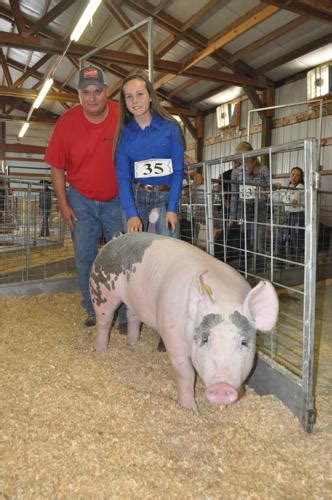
155	107
244	146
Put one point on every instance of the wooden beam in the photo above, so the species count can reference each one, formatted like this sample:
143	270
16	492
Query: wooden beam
17	13
192	129
290	56
126	23
167	44
31	94
21	119
200	137
32	71
2	139
61	7
317	9
190	36
22	148
234	33
5	68
256	101
57	47
263	41
199	15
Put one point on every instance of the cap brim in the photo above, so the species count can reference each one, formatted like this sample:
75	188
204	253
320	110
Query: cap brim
91	81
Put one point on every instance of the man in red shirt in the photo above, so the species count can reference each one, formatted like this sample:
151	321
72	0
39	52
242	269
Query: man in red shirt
80	153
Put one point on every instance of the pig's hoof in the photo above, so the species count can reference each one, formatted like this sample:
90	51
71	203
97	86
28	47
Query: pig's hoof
161	346
100	348
188	406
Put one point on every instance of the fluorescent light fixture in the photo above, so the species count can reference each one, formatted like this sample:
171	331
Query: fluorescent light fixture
84	19
24	128
43	91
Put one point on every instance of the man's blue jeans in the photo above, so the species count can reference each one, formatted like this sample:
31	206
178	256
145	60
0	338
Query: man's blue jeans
146	201
93	220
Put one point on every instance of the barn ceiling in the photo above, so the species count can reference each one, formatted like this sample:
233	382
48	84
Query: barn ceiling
201	49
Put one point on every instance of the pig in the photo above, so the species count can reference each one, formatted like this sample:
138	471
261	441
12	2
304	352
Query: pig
203	309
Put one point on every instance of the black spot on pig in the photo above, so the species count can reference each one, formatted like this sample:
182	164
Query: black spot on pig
247	330
202	332
118	256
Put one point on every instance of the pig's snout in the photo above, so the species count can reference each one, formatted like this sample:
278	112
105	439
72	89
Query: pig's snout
221	394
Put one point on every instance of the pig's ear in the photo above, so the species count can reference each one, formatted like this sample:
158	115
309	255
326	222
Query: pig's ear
261	306
200	292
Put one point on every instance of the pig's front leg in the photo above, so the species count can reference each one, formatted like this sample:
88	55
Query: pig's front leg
185	376
104	322
134	325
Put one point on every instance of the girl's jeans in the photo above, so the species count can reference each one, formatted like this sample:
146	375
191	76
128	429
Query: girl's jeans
146	201
94	219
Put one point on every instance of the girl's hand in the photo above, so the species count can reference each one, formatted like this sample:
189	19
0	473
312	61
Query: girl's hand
134	224
171	220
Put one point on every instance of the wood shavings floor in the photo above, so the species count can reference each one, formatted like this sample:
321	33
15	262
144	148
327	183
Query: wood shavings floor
78	424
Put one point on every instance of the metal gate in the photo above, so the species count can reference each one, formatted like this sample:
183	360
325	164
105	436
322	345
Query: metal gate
285	361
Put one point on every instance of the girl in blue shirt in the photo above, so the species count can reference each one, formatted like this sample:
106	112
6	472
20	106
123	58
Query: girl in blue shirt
149	154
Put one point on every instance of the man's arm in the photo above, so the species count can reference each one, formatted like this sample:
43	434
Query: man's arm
59	185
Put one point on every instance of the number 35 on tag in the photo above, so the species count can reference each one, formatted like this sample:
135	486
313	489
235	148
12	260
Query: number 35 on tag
156	167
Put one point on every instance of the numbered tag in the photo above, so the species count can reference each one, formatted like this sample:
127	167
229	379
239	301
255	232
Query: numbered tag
153	168
247	192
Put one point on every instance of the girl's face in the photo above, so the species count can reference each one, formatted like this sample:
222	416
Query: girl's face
295	176
250	163
137	99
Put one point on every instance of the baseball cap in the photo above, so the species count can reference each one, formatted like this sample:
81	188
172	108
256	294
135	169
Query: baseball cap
91	76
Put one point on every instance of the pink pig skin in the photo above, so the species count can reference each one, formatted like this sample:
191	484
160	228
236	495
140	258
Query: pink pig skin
204	310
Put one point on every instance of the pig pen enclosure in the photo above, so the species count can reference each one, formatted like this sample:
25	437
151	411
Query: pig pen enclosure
80	424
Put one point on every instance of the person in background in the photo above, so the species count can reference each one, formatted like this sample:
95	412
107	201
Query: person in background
45	206
2	197
149	158
230	235
243	199
292	235
197	188
80	153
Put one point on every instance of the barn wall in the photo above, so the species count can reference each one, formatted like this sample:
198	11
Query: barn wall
221	142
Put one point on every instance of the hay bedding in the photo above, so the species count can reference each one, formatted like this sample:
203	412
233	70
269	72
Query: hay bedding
78	424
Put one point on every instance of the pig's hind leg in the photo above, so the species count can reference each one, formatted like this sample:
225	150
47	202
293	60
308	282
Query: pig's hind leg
104	316
134	326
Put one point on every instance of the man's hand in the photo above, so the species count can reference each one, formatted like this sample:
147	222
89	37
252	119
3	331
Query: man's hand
69	216
134	224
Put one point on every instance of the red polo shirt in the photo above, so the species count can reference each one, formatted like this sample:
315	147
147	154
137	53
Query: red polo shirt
85	150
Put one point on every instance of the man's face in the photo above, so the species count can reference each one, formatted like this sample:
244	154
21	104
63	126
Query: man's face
93	99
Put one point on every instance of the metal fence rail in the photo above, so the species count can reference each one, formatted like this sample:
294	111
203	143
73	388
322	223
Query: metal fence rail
26	252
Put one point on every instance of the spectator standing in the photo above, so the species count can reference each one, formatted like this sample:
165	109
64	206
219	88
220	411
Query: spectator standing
80	153
45	206
251	176
290	239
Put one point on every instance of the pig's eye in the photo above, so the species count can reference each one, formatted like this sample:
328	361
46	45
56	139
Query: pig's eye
244	342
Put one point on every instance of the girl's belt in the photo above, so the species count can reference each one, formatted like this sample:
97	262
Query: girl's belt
152	187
